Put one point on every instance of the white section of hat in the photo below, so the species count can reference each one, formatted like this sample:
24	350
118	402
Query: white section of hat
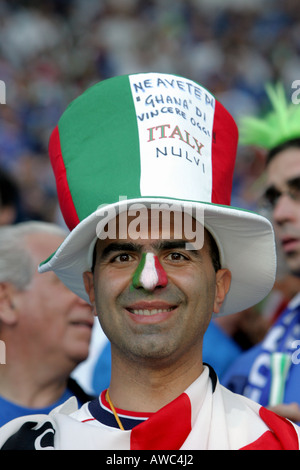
175	121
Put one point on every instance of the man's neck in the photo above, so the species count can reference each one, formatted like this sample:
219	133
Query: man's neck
148	390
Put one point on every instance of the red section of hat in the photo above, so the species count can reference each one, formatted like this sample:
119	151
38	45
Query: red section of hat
63	191
224	147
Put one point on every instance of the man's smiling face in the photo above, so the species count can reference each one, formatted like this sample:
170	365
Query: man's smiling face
163	320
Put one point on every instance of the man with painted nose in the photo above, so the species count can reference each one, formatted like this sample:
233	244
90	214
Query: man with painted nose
154	294
155	298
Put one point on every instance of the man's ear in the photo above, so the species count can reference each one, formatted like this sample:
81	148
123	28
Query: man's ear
223	281
8	311
88	279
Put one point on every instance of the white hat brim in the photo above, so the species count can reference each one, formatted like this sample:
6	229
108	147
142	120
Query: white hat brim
245	240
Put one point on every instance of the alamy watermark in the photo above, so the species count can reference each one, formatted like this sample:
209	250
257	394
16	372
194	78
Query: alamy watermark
296	353
2	101
2	352
137	220
295	94
2	92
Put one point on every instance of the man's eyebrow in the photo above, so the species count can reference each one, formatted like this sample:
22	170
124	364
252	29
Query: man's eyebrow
169	244
159	245
290	183
174	245
293	181
120	246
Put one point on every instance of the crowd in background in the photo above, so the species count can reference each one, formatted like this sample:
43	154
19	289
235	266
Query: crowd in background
51	51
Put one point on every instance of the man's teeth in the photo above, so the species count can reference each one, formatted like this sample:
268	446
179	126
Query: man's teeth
154	311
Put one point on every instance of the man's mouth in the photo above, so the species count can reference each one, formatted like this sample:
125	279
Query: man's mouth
289	244
82	323
146	308
148	312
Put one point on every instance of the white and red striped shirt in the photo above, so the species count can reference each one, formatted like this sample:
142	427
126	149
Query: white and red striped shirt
205	416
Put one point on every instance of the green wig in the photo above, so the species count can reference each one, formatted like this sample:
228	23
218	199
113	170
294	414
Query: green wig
280	125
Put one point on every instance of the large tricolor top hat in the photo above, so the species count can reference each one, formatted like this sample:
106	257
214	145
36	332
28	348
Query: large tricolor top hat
155	138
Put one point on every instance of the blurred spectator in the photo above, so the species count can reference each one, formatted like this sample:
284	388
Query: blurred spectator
269	372
45	327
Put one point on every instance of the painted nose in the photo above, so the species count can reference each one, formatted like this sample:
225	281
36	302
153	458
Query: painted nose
285	210
149	274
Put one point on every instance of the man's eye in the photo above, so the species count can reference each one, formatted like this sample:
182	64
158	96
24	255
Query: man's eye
123	258
271	196
176	257
294	190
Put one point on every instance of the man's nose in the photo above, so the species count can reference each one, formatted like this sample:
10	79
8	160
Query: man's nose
149	274
284	209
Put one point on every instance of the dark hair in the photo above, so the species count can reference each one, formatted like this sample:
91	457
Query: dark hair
214	252
94	258
279	148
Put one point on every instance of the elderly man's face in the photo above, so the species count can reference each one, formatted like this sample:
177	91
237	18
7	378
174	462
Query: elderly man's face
54	321
159	311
